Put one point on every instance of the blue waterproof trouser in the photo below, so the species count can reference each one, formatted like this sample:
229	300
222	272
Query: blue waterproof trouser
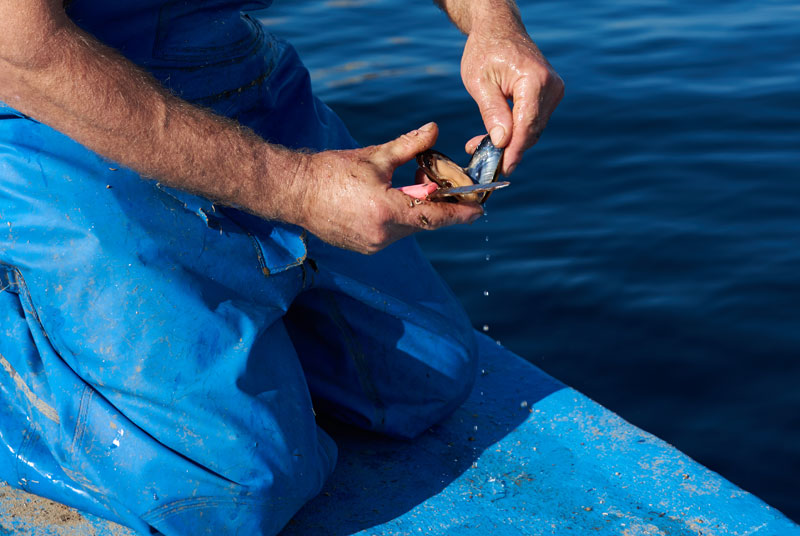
160	355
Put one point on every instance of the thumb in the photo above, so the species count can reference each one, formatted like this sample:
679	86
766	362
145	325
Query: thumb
496	114
401	150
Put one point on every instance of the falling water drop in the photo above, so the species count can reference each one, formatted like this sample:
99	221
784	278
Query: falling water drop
485	292
488	257
486	327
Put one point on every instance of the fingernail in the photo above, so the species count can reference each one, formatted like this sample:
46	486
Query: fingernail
427	126
497	134
511	168
474	218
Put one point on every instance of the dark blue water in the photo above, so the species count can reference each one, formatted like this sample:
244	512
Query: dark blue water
648	250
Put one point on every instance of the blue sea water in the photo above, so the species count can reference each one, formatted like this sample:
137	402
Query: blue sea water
647	252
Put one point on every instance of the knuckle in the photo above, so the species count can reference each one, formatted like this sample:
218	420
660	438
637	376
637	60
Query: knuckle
492	107
375	234
381	239
370	249
558	85
553	82
377	239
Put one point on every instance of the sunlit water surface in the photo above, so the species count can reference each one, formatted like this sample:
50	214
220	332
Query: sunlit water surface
647	252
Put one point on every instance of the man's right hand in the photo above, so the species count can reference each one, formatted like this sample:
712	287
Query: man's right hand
346	197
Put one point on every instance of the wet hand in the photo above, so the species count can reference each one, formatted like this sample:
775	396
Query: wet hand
504	63
346	197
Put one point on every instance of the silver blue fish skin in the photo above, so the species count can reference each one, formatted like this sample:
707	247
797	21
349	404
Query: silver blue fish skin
482	167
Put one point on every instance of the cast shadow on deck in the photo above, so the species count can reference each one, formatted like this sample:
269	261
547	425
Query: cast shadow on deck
378	479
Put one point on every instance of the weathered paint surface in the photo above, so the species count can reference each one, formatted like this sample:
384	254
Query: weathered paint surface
524	456
22	514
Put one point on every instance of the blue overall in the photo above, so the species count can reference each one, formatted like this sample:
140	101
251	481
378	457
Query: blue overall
160	354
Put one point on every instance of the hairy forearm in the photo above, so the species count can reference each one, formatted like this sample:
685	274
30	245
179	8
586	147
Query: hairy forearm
71	82
469	15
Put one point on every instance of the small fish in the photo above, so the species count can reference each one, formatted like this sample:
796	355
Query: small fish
482	170
484	166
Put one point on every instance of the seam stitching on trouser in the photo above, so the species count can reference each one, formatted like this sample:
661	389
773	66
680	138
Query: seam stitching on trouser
176	507
8	281
31	437
80	424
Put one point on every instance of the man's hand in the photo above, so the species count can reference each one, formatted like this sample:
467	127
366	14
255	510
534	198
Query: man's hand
346	198
501	62
495	68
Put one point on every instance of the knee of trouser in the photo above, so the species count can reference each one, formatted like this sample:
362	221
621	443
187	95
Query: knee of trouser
437	393
261	506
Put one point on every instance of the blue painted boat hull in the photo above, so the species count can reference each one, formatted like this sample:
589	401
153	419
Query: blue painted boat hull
525	455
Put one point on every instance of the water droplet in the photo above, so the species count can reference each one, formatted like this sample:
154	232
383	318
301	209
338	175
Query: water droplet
476	427
155	496
486	239
486	327
523	404
498	343
488	257
485	292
